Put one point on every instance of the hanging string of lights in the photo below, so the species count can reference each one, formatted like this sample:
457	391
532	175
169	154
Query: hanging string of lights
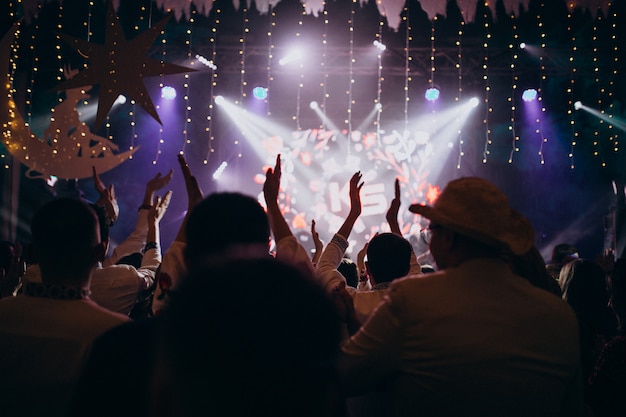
596	70
187	83
407	59
459	95
613	76
324	64
431	78
514	80
301	68
243	83
270	56
572	88
348	120
211	105
380	79
542	78
485	66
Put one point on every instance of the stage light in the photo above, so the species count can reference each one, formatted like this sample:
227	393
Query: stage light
578	105
209	63
219	100
293	55
473	102
379	45
522	45
168	93
432	94
218	172
529	95
51	180
260	93
378	106
314	105
121	99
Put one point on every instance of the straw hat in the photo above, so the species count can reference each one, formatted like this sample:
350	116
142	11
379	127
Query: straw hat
476	208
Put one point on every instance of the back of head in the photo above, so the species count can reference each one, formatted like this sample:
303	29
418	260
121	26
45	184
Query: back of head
584	288
388	257
65	237
350	272
223	221
250	337
563	253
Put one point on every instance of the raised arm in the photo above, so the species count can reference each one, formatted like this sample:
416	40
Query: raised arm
326	271
271	187
319	246
107	198
394	208
194	195
137	239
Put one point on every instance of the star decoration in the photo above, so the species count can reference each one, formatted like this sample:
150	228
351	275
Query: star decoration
119	66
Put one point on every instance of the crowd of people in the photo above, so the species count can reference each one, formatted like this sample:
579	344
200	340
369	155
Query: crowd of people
236	318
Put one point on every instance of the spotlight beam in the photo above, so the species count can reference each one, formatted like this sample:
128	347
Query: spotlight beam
618	123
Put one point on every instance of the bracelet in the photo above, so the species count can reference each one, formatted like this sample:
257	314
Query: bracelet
150	245
144	207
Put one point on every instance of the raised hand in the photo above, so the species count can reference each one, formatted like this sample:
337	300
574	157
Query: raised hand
355	193
271	187
158	209
194	193
159	181
319	246
394	208
107	199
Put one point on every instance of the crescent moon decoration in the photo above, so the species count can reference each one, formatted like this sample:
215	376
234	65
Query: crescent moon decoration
69	155
119	66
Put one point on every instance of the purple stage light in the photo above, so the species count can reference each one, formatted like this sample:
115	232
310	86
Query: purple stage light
168	93
432	94
529	95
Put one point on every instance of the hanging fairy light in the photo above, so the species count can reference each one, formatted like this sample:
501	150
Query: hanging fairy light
187	83
571	88
485	68
324	65
243	83
209	127
459	67
301	68
348	120
160	140
613	75
596	71
542	78
379	83
514	80
270	56
407	59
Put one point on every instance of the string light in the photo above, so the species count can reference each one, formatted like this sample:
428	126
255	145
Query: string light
301	67
211	106
459	96
485	66
613	76
596	70
379	86
324	65
270	56
514	80
348	121
407	59
571	89
187	83
160	140
542	78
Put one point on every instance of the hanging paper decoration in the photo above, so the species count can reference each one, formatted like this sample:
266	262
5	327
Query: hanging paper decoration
69	149
391	9
119	66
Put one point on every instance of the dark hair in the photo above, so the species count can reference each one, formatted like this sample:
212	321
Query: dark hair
350	272
103	221
250	337
388	257
563	252
65	233
221	221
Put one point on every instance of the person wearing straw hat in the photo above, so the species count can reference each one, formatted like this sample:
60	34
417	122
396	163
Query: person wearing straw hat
472	339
